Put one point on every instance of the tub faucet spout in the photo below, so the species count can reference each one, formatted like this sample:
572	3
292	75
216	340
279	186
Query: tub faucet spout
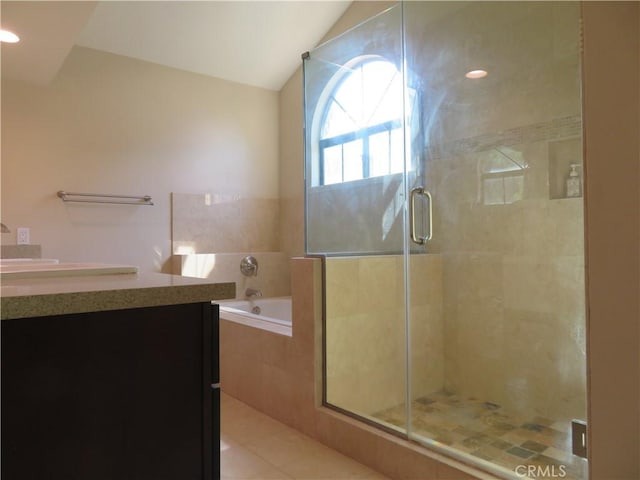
252	292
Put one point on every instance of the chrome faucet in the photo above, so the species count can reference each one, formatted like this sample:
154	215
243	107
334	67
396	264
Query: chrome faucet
252	292
249	266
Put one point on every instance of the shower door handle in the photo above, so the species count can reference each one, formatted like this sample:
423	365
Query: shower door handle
412	214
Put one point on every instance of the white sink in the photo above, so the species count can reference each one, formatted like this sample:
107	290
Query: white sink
43	270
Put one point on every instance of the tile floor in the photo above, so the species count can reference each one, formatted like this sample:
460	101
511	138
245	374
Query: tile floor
485	430
255	446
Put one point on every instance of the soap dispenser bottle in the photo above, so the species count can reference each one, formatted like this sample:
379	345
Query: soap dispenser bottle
573	181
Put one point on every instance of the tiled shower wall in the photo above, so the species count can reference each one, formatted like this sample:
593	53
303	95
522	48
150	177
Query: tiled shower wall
365	330
510	243
360	217
497	153
211	234
514	303
498	313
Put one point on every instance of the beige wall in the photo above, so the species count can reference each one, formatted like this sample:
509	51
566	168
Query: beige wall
111	124
612	154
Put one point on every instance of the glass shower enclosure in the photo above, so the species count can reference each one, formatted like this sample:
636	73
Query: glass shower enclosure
443	171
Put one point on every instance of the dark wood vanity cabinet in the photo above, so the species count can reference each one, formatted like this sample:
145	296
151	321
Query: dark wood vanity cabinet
112	395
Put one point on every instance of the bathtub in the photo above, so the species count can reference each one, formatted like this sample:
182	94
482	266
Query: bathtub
272	314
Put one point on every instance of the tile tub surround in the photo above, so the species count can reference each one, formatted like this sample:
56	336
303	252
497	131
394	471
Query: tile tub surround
209	222
282	377
33	297
273	278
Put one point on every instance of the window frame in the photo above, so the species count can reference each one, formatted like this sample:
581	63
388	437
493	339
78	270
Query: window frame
362	134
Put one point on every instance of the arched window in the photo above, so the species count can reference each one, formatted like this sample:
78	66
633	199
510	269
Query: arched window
361	133
502	173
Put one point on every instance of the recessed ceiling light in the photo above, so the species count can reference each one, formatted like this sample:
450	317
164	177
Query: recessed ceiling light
9	37
474	74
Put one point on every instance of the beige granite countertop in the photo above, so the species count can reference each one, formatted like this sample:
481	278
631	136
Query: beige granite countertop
36	297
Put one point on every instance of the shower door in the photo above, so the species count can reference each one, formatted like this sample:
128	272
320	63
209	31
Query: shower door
448	207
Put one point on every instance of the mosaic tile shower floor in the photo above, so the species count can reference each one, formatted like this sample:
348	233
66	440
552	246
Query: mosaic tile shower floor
485	430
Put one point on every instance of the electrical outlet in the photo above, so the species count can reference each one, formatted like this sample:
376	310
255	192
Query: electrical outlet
579	438
23	236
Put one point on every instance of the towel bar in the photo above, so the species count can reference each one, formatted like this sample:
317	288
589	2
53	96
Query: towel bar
104	198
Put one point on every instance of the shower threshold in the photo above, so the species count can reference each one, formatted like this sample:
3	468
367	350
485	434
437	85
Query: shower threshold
487	431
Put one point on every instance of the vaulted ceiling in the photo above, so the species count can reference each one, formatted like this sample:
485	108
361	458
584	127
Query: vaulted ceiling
252	42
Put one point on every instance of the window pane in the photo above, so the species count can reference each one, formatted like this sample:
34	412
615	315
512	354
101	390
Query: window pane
352	160
379	154
493	191
332	164
349	96
337	122
382	88
390	105
513	188
366	98
397	151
